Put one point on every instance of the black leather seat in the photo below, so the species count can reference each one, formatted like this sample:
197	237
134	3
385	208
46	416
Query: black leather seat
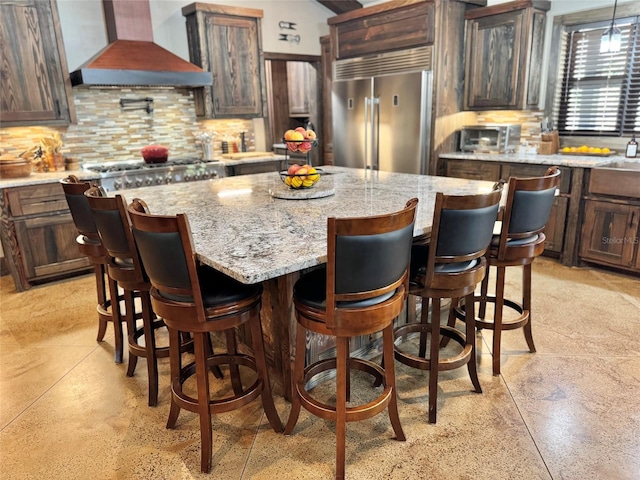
451	266
90	245
520	239
197	299
361	291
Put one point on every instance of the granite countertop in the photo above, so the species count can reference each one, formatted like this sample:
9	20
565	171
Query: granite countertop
267	158
239	228
579	161
48	177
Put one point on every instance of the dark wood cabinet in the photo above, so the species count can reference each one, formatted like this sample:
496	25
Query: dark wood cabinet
610	234
300	82
227	42
38	234
503	55
327	85
34	76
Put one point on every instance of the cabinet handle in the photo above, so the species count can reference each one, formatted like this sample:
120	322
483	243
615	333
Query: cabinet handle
633	216
217	105
58	112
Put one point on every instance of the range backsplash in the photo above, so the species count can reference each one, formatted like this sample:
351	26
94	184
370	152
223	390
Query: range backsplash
107	132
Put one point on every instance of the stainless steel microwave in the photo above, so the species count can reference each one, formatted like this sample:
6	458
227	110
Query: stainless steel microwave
490	138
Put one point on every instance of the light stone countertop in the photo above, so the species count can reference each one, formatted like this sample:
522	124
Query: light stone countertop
578	161
269	158
48	177
241	230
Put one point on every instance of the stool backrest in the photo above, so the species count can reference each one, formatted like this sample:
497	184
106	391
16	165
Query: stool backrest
114	227
165	246
462	228
528	206
367	259
80	212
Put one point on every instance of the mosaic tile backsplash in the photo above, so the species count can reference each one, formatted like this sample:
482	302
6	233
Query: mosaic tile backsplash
107	131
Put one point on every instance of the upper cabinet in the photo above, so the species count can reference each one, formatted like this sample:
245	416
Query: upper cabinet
35	83
299	85
226	41
381	28
503	58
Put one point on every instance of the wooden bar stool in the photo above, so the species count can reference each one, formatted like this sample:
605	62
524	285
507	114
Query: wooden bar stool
197	299
451	266
90	245
125	271
519	241
361	291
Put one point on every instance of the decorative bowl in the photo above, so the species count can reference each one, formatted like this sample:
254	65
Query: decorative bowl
14	167
298	181
155	154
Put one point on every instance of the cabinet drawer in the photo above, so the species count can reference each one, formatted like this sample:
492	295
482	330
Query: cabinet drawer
385	31
37	199
473	170
527	170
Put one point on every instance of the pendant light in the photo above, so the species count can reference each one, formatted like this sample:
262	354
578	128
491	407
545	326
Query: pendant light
612	36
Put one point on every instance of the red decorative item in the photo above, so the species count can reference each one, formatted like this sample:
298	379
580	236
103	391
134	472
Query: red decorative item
155	154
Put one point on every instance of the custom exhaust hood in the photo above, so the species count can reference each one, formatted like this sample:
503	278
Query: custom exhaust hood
131	58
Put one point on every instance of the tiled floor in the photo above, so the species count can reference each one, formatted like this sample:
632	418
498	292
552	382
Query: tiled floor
569	411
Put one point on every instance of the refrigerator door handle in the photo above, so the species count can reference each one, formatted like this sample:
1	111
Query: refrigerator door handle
375	132
367	124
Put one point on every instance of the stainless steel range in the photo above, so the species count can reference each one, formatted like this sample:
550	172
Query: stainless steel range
123	175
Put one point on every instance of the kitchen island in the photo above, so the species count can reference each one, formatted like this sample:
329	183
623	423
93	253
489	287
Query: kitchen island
240	229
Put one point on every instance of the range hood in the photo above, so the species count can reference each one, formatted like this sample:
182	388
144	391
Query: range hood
131	58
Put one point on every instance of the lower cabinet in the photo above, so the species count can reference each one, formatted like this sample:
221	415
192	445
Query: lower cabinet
38	235
610	234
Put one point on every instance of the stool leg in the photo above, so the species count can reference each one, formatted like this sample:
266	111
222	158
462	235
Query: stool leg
390	380
484	288
204	412
433	359
101	290
234	370
451	321
341	404
215	369
130	316
150	347
263	373
526	305
348	375
117	320
424	318
175	363
497	319
470	321
297	378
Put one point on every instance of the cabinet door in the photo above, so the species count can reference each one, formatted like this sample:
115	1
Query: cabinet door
493	57
33	82
232	46
554	231
609	233
473	170
299	88
48	246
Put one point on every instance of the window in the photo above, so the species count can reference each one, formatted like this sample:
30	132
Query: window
599	93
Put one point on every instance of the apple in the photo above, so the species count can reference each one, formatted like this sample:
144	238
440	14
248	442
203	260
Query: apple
304	147
292	146
302	173
302	130
293	169
310	135
287	134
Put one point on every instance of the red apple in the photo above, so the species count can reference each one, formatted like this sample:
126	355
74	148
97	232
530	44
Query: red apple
304	147
302	130
293	169
292	146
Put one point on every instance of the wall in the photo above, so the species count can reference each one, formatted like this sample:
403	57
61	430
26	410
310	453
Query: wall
84	30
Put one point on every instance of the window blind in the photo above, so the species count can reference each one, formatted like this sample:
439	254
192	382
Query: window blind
600	92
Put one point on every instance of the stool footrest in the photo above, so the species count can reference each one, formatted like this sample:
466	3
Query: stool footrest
355	413
510	324
447	363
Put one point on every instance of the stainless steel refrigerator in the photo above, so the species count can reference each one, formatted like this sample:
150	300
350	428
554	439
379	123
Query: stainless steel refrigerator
382	111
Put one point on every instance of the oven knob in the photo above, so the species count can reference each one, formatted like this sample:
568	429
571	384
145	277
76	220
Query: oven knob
159	180
205	175
127	184
167	180
117	184
196	176
138	182
187	177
